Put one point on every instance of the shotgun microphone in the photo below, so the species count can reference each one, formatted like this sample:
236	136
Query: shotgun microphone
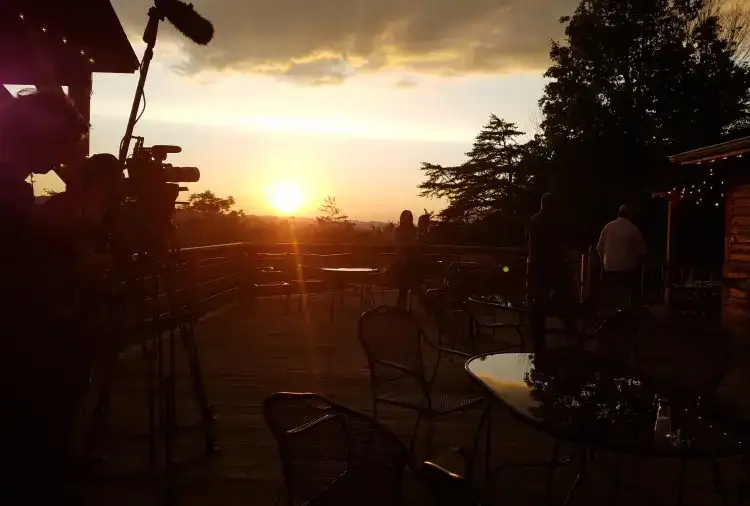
188	22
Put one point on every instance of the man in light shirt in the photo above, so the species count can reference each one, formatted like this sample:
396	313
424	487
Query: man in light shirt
621	248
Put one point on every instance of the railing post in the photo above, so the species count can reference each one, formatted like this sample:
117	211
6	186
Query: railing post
244	275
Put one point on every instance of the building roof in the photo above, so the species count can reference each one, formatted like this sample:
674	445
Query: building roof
736	147
70	37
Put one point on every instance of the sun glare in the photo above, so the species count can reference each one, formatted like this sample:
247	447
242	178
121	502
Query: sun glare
285	198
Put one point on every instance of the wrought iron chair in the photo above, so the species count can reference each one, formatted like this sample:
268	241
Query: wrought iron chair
617	337
480	314
333	455
305	282
452	324
392	341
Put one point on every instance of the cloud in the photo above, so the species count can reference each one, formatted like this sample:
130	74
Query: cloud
327	41
406	83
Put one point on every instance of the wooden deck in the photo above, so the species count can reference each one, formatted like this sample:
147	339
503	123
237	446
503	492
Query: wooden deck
253	348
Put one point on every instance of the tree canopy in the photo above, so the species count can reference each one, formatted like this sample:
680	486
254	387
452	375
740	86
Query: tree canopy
631	83
208	203
488	182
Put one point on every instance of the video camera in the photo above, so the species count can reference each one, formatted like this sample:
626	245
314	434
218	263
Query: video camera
150	193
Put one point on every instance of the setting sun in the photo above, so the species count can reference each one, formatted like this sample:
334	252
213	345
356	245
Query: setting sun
285	198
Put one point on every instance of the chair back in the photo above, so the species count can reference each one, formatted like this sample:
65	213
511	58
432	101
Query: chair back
447	488
617	336
392	340
451	318
331	454
464	280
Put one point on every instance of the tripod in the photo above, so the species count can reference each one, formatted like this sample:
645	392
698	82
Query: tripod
155	281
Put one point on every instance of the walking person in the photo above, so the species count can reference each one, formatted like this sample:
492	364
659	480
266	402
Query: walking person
548	276
621	249
407	250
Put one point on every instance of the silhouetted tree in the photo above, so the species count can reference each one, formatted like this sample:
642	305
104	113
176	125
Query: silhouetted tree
488	182
492	185
633	82
333	224
209	219
207	202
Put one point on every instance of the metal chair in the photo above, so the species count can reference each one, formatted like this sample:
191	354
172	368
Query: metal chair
302	281
392	341
452	324
333	455
479	314
618	335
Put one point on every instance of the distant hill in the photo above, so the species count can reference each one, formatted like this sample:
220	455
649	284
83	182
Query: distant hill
302	220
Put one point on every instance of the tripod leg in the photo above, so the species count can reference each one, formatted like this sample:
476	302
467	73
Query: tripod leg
101	409
167	391
148	358
187	334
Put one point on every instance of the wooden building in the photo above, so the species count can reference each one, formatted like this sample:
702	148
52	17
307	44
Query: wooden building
62	43
727	168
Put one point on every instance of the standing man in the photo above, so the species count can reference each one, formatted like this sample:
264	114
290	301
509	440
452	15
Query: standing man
547	270
621	249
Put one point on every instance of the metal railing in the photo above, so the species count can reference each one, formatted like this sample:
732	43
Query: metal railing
213	276
656	277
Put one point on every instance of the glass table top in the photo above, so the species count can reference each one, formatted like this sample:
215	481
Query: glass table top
579	397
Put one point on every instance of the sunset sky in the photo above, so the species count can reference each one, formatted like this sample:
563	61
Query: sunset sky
336	97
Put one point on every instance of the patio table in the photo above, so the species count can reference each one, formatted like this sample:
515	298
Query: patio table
581	398
342	276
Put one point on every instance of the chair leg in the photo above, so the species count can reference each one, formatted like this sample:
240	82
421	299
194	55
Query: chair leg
520	337
550	484
332	301
430	429
413	442
484	420
719	484
681	483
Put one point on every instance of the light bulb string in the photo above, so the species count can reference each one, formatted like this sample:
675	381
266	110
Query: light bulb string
63	39
700	192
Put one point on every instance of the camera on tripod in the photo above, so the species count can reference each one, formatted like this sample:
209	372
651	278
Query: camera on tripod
150	162
150	194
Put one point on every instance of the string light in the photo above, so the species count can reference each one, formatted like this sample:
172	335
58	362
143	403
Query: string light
63	40
710	191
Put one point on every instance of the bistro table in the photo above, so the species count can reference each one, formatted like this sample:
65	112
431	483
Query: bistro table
340	277
581	398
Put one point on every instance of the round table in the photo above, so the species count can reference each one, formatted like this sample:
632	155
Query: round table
340	277
593	402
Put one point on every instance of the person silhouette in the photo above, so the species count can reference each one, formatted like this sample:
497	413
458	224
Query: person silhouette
548	275
405	240
42	370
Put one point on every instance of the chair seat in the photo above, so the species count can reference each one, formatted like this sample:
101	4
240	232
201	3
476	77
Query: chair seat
442	401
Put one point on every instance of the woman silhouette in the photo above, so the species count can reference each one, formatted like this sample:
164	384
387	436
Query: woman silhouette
405	239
